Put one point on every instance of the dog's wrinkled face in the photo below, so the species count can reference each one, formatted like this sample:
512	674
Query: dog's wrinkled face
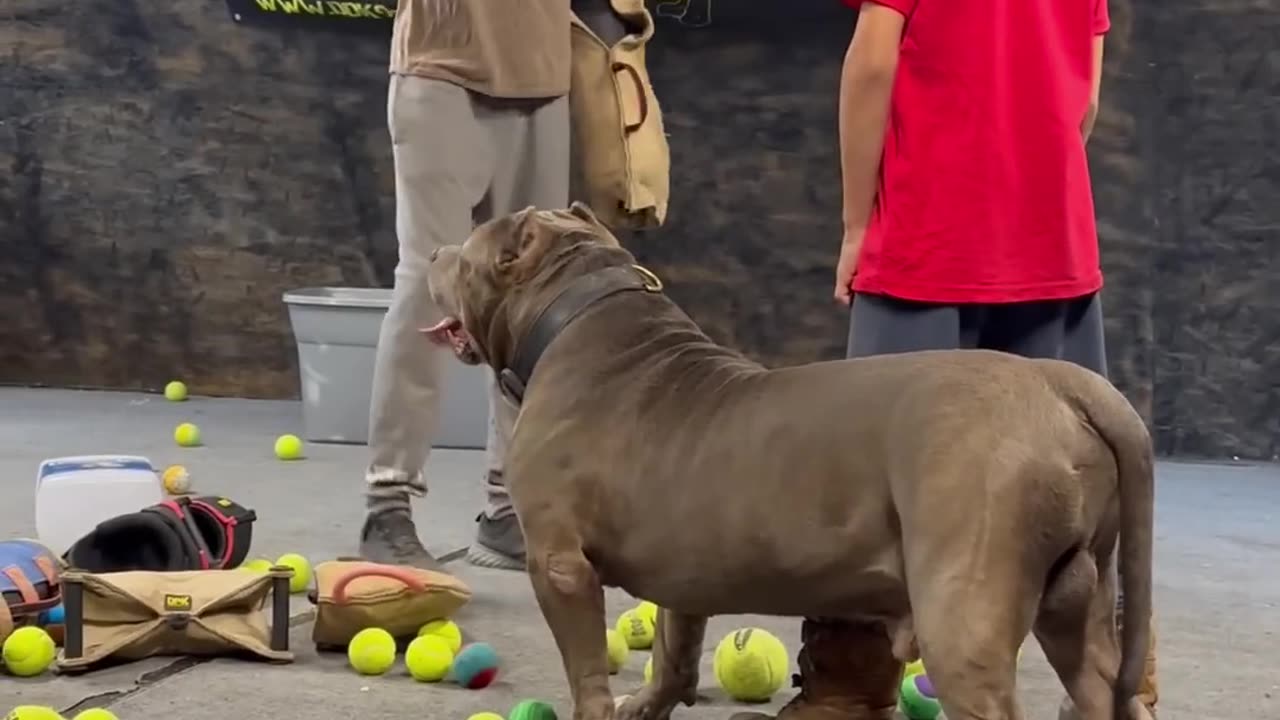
483	286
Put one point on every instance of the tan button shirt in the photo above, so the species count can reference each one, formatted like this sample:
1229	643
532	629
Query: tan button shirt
500	48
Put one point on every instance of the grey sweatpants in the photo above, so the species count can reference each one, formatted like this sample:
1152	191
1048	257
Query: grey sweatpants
460	159
1063	329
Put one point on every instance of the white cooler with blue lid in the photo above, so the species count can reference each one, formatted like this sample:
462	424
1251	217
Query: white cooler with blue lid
74	494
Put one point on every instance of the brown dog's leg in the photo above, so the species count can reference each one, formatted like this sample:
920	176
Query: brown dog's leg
1077	630
572	602
677	646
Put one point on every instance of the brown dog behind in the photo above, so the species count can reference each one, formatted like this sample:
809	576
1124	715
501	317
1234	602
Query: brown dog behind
963	499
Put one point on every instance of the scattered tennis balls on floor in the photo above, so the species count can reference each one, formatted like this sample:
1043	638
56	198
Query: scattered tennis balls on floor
918	700
289	447
28	651
532	710
636	630
301	579
176	480
751	664
428	658
33	712
187	435
372	651
446	630
175	391
475	666
617	650
96	714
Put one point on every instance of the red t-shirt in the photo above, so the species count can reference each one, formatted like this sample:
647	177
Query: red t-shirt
984	193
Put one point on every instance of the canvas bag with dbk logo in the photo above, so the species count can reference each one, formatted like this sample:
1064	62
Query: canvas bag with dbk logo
621	146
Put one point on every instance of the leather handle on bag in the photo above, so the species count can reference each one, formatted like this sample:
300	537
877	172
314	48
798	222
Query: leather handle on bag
414	582
640	95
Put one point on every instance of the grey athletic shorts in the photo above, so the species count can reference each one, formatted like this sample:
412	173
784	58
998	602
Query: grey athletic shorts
1063	329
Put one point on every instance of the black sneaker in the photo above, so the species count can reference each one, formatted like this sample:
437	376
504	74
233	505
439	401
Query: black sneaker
390	537
499	544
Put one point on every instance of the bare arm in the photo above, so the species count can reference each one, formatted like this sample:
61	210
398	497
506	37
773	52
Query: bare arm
1091	115
866	85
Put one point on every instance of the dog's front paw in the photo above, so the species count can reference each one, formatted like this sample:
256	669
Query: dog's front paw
646	704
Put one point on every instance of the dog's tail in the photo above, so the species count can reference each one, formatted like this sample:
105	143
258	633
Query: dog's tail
1123	430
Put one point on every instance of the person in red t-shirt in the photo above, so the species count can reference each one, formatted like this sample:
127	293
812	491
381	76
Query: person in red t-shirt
968	211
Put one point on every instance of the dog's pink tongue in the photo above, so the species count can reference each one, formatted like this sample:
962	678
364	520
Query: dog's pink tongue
441	332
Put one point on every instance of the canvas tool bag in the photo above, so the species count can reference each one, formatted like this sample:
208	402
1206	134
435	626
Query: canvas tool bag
621	146
138	614
30	584
351	595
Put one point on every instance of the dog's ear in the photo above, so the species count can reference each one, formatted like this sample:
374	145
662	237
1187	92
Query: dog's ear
584	212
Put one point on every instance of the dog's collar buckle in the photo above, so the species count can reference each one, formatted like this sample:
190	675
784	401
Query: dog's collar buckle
511	385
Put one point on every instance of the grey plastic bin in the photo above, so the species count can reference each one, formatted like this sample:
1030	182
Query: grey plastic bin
336	330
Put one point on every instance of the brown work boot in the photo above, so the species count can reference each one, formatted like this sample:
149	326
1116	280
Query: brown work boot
847	672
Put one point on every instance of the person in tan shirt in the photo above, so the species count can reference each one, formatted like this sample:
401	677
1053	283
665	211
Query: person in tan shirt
479	120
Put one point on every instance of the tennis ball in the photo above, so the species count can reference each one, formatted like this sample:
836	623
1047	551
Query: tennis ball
301	571
28	651
475	666
447	630
288	447
648	670
33	712
636	629
176	391
176	480
751	664
648	610
372	651
915	667
918	700
486	716
428	658
261	565
187	435
96	714
531	710
617	650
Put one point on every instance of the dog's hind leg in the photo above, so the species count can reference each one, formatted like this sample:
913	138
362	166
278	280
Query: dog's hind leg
572	602
970	621
1076	628
677	648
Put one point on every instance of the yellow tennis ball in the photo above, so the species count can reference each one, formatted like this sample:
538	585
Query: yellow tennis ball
751	664
486	716
176	391
301	571
915	667
372	651
636	630
648	670
617	650
288	447
428	658
33	712
648	610
446	630
28	651
187	435
176	480
96	714
260	565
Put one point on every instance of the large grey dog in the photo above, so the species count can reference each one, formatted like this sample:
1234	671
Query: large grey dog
957	501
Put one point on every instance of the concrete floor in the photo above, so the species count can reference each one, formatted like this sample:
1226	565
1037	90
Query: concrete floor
1218	533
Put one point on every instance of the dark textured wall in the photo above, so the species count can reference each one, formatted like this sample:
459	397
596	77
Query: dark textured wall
165	175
